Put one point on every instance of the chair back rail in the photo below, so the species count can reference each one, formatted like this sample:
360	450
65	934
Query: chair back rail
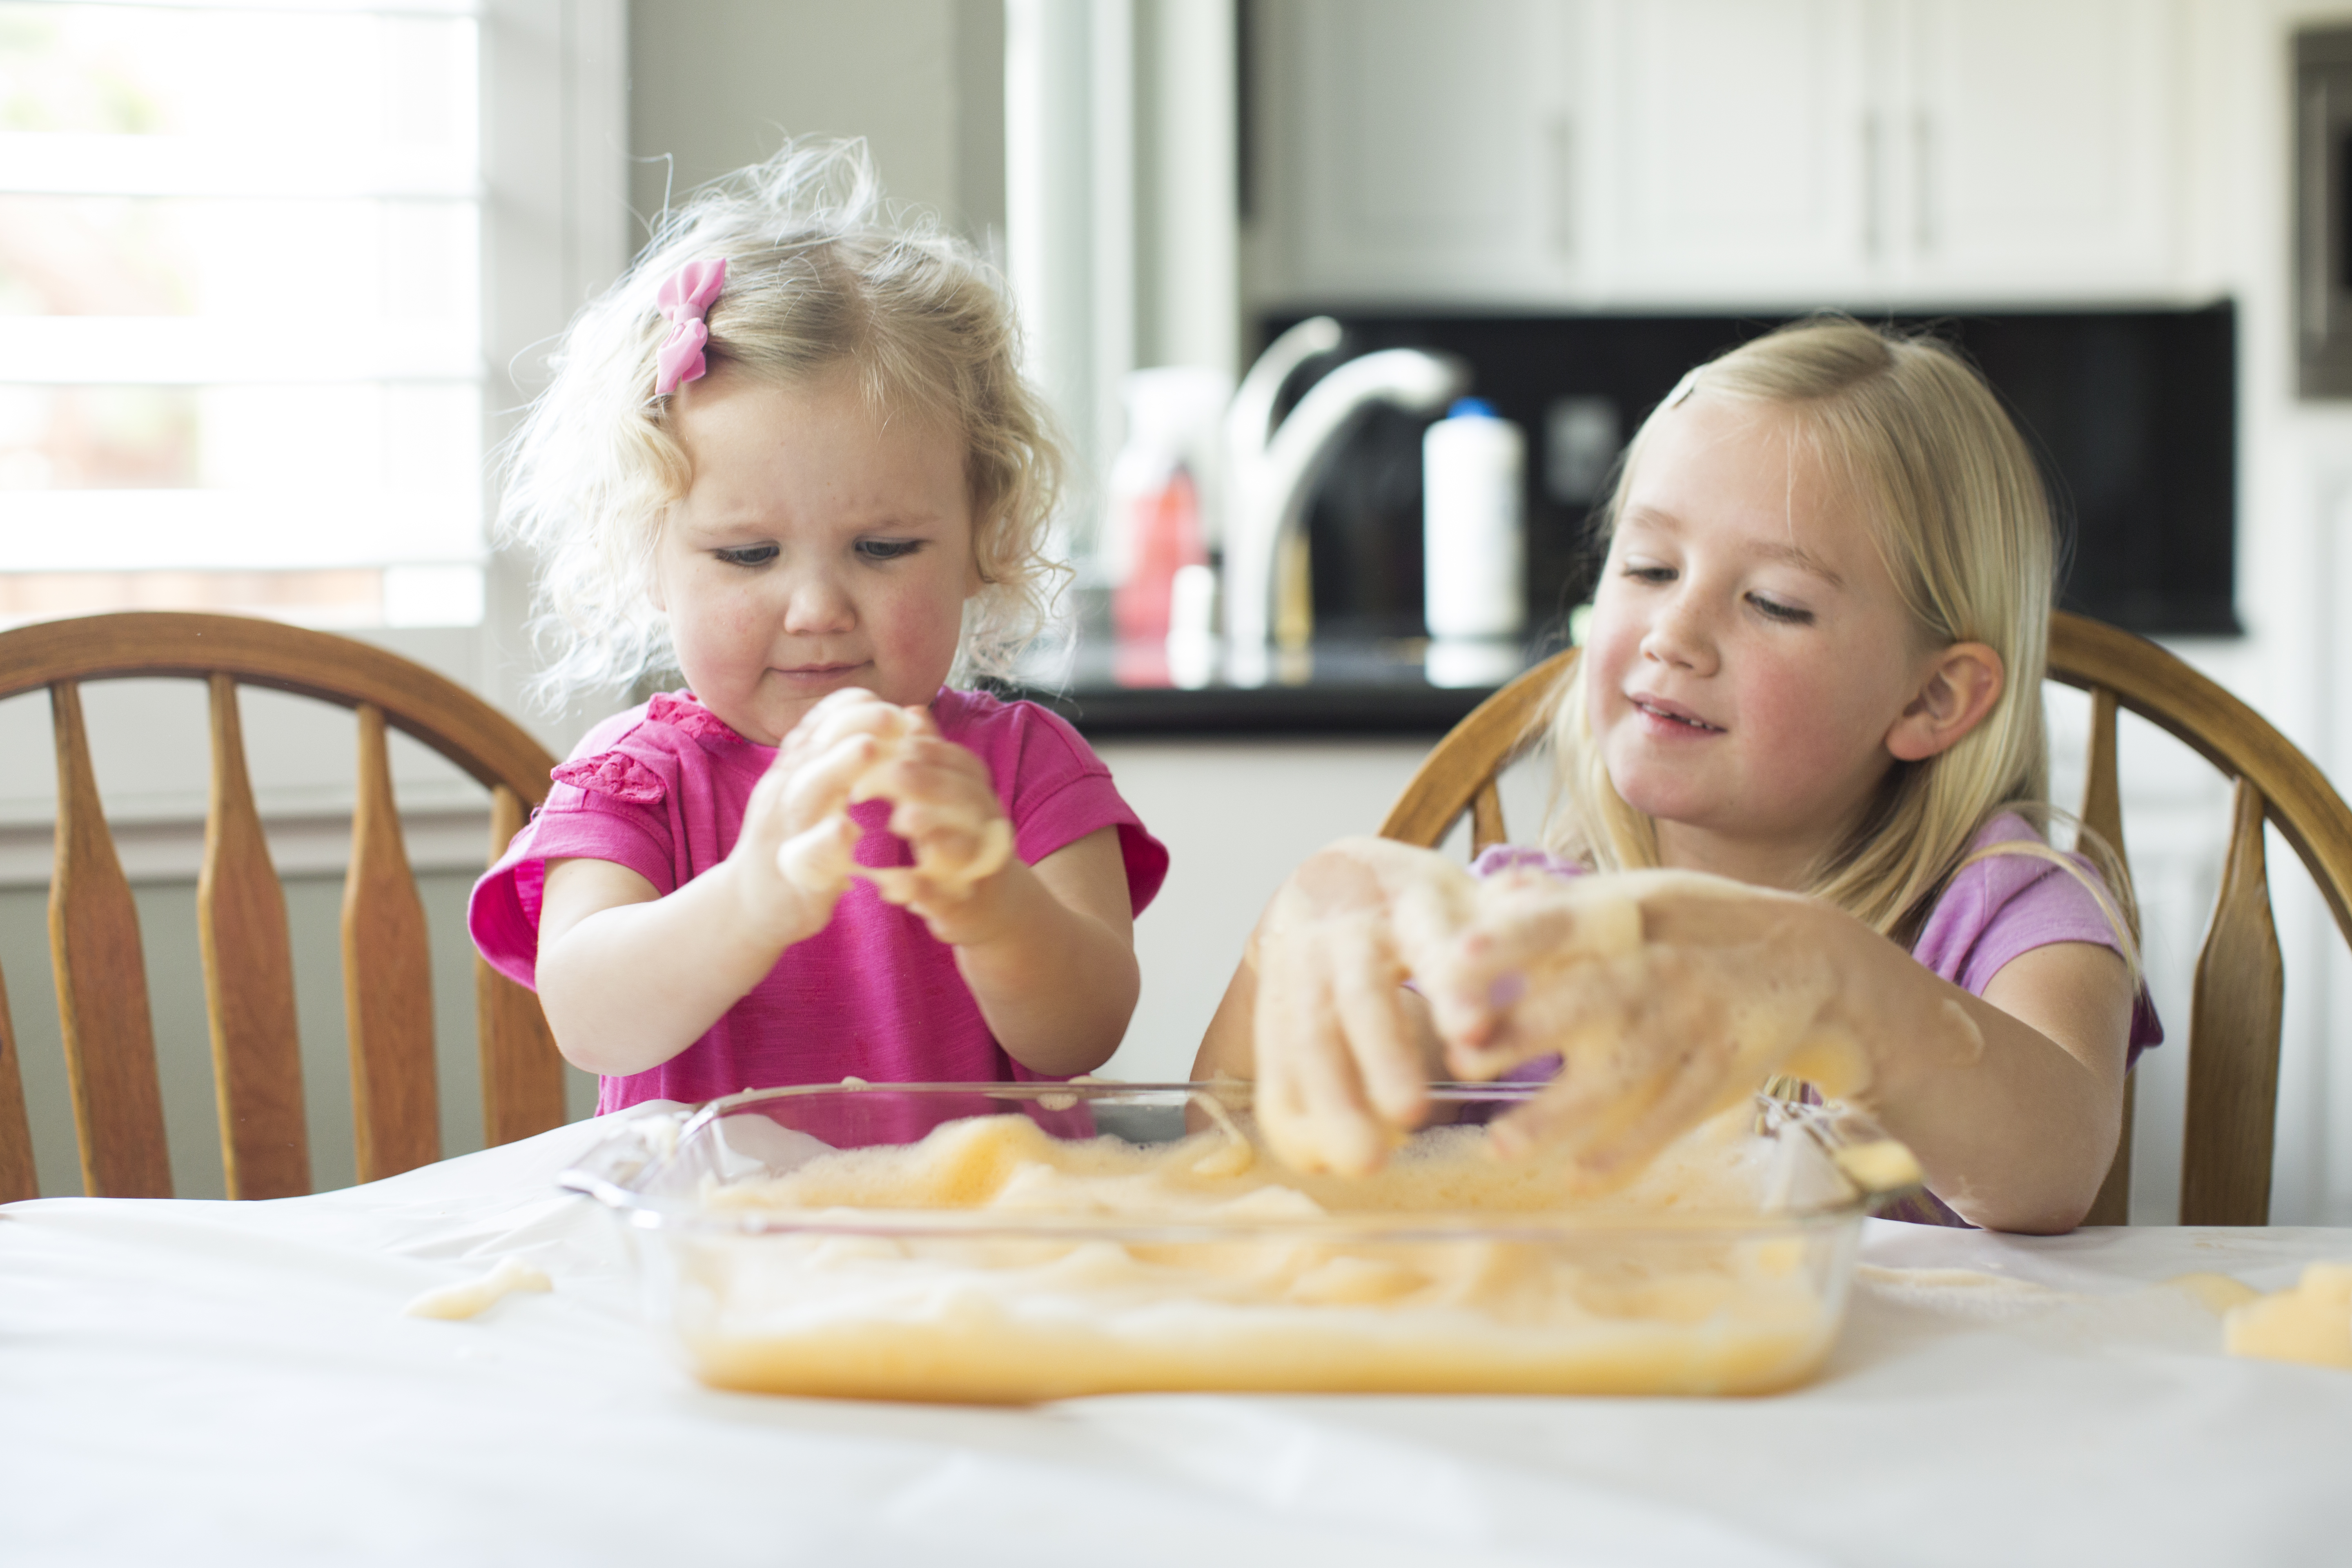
418	702
2236	1012
248	964
241	922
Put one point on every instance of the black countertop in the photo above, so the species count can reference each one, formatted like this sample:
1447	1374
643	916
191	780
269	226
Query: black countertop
1347	689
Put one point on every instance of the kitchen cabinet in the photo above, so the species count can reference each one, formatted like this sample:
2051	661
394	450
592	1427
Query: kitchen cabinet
1756	154
2040	147
1733	152
1414	142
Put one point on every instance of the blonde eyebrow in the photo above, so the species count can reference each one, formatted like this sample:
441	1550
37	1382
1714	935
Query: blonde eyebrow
1794	555
1803	561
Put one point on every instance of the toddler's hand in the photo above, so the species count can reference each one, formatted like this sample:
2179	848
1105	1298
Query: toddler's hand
794	856
943	803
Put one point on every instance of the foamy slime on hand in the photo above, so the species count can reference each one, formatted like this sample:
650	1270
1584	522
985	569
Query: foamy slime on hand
823	857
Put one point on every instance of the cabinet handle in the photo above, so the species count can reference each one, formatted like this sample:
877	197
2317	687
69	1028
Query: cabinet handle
1872	150
1923	161
1560	142
2321	216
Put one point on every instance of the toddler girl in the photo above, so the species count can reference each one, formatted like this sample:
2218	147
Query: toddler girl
1805	740
791	456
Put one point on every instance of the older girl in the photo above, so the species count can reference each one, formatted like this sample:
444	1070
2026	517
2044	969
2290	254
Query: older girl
1805	744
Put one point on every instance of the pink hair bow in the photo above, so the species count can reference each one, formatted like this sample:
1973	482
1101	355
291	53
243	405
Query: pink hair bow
686	299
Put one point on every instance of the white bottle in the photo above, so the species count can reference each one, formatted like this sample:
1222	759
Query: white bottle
1474	534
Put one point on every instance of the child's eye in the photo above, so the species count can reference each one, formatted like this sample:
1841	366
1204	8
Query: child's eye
747	555
1653	574
887	549
1773	610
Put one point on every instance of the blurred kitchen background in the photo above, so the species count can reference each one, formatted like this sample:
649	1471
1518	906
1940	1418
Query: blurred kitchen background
2128	211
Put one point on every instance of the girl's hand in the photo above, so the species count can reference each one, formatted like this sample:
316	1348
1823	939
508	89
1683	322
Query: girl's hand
943	803
1667	995
1343	1054
794	856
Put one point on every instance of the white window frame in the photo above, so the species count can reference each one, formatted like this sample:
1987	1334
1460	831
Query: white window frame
556	229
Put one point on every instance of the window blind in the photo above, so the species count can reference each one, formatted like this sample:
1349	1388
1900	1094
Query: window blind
241	261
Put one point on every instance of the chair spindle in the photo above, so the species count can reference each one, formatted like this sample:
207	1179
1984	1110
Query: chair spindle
2103	814
1486	818
387	979
523	1072
248	980
2235	1015
18	1180
110	1037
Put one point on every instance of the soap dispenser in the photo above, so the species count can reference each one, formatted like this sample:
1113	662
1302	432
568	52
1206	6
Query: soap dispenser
1473	544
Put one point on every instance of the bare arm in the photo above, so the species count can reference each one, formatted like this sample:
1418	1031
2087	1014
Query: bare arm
2018	1136
1051	956
630	978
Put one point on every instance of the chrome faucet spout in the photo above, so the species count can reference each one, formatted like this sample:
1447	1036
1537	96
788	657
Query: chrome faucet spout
1273	479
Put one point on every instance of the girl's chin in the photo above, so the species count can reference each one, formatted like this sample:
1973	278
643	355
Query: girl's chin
1666	799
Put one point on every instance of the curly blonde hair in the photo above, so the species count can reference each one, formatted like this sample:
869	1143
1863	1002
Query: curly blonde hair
821	272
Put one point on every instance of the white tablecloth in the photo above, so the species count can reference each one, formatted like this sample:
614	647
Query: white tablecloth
206	1382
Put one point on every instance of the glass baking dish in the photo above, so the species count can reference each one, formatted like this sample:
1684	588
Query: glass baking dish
809	1241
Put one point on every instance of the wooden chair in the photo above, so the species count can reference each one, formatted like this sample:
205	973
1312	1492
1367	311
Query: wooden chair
2235	1010
241	919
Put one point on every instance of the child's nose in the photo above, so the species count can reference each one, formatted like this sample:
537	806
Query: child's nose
1680	635
816	603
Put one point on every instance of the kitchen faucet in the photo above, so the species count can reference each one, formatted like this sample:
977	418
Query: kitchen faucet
1273	469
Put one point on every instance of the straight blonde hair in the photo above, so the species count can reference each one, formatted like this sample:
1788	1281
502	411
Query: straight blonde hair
1959	514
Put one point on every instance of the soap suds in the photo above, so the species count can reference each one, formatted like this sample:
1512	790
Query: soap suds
1638	1307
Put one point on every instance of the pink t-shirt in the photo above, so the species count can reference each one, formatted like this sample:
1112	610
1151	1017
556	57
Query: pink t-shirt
661	790
1992	910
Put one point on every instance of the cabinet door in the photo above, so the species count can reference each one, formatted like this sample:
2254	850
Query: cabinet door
2041	148
1741	156
1417	151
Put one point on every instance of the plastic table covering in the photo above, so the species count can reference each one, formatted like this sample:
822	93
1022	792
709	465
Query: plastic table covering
211	1382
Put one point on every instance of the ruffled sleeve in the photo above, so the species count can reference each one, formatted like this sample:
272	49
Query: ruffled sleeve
615	775
616	799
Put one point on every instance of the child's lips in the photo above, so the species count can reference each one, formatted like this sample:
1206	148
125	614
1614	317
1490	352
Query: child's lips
1673	716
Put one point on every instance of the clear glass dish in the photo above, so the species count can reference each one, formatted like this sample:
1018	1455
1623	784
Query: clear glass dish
799	1241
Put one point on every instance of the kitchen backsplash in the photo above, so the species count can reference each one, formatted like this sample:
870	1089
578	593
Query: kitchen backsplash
2132	412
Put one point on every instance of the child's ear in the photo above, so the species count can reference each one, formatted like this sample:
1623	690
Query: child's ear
1962	684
